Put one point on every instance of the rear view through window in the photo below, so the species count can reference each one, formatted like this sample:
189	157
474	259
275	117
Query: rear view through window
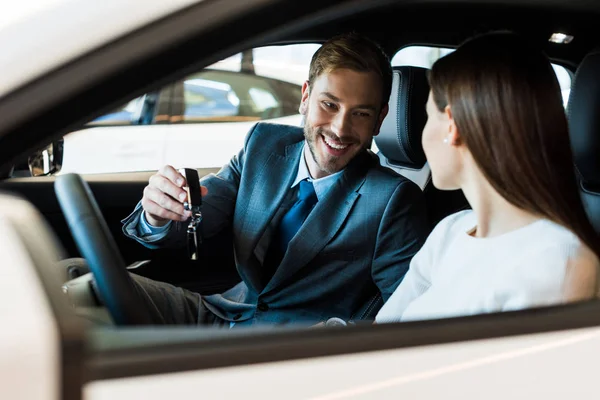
426	56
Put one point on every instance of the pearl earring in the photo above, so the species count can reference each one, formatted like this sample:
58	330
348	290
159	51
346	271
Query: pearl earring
446	140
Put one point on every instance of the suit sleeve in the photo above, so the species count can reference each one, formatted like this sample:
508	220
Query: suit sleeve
402	232
217	207
415	283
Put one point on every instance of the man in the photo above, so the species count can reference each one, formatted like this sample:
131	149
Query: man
320	228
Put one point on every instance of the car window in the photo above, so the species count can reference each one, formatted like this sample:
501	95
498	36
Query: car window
205	98
200	121
123	115
426	56
226	96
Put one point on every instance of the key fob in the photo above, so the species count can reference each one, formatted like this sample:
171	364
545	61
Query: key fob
194	194
193	203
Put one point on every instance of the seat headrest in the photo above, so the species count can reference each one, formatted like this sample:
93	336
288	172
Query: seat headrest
584	119
399	139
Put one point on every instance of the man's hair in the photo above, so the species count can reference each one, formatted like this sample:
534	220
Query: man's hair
354	52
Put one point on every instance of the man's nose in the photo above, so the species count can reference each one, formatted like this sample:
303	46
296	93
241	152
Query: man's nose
341	125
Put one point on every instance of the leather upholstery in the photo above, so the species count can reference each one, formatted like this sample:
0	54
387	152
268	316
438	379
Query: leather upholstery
584	127
399	141
584	119
400	135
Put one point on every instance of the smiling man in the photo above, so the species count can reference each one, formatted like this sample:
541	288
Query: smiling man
341	118
320	228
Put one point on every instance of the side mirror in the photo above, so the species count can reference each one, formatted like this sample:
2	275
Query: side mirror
48	160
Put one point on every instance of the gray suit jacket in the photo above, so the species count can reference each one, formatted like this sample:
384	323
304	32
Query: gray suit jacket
355	245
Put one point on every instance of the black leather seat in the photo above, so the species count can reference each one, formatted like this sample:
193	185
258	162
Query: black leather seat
399	141
584	126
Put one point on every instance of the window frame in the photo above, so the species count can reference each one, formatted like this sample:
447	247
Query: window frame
191	349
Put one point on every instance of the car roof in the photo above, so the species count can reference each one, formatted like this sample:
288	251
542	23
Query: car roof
71	28
448	23
52	32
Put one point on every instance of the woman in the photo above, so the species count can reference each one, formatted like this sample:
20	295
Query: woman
497	130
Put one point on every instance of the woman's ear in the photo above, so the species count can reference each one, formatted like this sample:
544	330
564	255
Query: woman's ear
304	99
453	134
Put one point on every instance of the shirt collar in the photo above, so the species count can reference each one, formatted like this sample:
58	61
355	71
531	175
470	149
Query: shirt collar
321	185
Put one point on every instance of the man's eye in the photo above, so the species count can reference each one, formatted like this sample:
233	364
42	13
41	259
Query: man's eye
329	105
363	114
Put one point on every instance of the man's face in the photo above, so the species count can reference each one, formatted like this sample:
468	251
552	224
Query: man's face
342	113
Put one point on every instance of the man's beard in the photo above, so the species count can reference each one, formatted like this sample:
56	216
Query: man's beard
331	164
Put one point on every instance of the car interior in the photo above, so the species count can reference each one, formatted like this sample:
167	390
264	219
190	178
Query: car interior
399	144
98	203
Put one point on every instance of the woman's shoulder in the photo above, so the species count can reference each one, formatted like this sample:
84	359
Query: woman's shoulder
554	240
549	233
567	255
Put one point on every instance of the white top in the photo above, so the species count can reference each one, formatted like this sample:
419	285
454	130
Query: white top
456	274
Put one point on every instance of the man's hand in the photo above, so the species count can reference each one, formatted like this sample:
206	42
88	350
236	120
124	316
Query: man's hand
163	197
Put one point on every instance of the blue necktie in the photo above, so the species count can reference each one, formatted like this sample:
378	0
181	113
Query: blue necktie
288	227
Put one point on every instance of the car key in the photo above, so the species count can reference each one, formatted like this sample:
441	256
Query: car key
193	203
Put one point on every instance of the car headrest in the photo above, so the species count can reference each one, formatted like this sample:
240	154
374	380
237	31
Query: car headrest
399	139
584	119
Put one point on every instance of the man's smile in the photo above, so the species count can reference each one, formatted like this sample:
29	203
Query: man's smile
335	147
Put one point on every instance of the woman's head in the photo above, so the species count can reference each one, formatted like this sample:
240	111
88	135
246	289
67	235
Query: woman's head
497	97
495	105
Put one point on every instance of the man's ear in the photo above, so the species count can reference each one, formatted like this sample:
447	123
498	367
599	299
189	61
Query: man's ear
453	133
382	114
304	99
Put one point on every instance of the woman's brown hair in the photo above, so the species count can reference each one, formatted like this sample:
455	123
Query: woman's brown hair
507	106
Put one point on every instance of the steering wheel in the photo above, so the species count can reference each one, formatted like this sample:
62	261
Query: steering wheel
97	246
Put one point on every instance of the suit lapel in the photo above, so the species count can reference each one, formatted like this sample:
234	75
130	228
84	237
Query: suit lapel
323	222
267	194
